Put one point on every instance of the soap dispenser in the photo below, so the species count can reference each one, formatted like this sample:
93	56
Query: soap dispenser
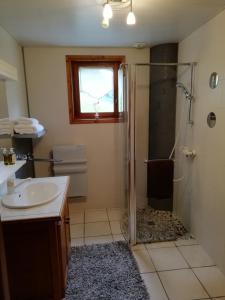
11	184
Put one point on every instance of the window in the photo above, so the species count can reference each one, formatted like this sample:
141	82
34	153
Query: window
95	89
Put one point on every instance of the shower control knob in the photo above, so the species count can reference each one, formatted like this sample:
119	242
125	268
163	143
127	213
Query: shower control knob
189	153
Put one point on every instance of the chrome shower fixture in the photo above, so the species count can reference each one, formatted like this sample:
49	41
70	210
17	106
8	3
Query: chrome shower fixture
187	93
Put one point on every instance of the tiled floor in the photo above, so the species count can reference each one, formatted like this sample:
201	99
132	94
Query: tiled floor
179	270
91	226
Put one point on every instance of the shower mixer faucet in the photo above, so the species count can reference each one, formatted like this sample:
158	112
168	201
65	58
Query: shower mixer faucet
189	153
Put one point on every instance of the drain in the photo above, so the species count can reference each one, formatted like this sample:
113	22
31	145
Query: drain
151	223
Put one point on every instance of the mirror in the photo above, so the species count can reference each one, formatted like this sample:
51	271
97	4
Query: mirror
211	119
213	80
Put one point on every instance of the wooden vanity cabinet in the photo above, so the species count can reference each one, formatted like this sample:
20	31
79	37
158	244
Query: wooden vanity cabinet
37	255
4	288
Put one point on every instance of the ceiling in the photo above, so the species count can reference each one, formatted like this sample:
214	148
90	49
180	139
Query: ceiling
78	22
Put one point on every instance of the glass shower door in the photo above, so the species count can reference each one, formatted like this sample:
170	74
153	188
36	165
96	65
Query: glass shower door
123	106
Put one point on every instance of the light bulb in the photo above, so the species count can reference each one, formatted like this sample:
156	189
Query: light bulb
107	11
105	23
131	19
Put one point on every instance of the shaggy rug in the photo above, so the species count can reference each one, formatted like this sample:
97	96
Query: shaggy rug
104	271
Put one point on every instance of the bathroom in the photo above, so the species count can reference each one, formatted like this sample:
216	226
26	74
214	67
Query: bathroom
36	39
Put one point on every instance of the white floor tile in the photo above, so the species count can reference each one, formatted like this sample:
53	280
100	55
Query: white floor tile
115	214
182	285
188	242
196	256
77	217
138	247
144	261
167	259
154	286
77	242
160	245
97	229
75	207
98	239
115	227
95	215
118	237
212	279
77	230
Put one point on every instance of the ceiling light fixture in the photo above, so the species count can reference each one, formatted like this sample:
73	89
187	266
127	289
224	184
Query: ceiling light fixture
131	19
105	23
107	11
113	5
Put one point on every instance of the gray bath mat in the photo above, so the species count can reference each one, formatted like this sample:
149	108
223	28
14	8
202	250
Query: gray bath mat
104	271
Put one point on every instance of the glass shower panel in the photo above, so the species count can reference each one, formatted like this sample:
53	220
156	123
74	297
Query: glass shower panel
124	140
141	114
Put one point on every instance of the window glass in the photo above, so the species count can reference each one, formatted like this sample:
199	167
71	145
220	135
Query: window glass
96	86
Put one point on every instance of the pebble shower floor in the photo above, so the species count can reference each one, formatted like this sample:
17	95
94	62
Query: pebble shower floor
156	226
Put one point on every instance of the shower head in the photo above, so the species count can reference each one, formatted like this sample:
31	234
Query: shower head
186	92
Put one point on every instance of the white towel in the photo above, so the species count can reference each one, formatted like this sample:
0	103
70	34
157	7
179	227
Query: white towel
5	121
6	131
27	121
28	129
6	126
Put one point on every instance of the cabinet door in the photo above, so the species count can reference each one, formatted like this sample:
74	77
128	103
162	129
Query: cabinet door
64	244
67	228
4	289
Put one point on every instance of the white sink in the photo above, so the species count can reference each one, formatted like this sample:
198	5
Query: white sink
34	194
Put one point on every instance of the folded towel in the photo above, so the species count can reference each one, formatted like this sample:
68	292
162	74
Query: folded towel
5	120
27	121
6	131
28	129
6	126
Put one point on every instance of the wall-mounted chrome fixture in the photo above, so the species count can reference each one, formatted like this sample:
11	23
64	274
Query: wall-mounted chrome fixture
187	93
211	119
213	80
113	5
188	152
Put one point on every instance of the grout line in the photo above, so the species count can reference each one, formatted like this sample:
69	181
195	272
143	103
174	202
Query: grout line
193	271
110	228
157	273
204	267
202	285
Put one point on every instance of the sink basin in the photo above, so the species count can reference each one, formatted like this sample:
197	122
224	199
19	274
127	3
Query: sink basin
34	194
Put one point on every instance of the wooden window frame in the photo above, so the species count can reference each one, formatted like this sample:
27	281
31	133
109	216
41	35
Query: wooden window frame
73	62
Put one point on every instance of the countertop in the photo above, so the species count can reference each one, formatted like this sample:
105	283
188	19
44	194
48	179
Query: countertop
49	210
7	171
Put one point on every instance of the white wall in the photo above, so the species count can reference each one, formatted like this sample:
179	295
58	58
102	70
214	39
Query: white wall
11	52
47	89
200	197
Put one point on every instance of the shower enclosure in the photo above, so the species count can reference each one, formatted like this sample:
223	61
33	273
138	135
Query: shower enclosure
156	160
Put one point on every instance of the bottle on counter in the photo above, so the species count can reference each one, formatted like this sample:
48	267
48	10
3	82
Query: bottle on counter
11	184
6	156
12	156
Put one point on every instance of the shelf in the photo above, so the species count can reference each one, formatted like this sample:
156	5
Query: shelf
24	136
6	136
7	171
